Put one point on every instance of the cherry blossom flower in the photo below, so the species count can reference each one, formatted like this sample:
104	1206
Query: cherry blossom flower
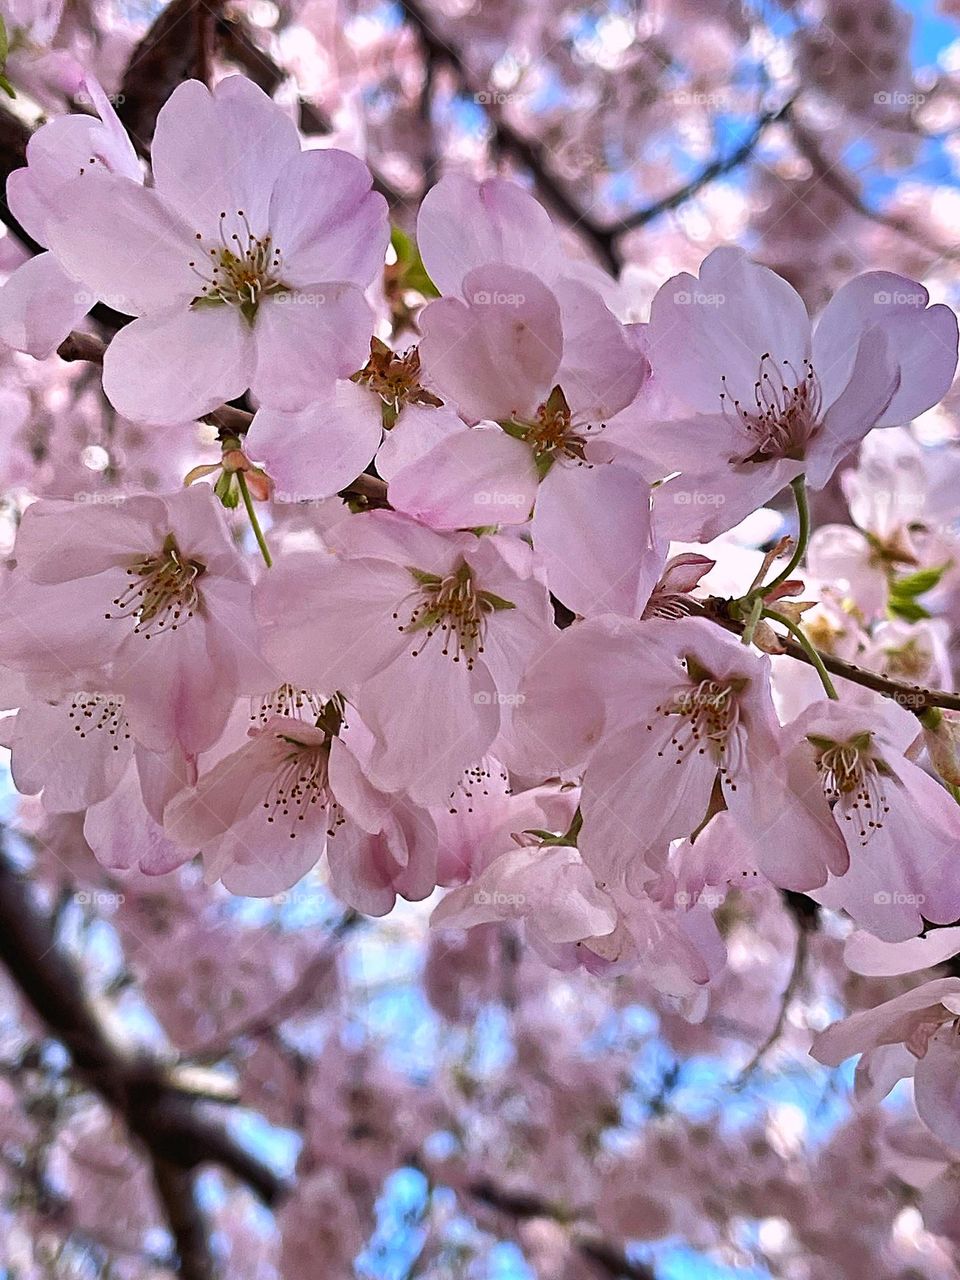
553	368
245	264
900	827
772	398
915	1031
314	452
265	813
429	649
41	302
546	886
671	723
145	598
901	526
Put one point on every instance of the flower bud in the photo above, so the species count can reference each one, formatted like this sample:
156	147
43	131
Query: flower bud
941	732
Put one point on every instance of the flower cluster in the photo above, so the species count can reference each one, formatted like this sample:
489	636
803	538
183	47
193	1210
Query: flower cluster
484	611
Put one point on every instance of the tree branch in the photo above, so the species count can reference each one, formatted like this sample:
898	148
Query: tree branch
913	697
227	419
532	155
175	1126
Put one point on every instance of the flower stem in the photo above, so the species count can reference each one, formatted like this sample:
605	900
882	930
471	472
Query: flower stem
808	649
799	487
254	521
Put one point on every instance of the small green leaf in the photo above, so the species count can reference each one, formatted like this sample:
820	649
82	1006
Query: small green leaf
917	584
908	610
4	42
413	274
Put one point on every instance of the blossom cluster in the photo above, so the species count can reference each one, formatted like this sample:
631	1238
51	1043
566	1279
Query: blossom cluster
480	612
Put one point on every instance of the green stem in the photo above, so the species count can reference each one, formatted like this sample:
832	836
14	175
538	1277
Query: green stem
808	649
751	625
254	522
799	487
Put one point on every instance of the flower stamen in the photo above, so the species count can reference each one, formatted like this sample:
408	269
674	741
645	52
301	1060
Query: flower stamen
163	593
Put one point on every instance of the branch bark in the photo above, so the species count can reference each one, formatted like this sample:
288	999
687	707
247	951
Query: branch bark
178	1131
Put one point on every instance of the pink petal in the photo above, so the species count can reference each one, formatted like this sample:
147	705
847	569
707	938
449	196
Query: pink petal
129	247
496	355
39	305
326	220
464	224
313	452
720	325
221	151
178	365
936	1086
601	371
923	340
306	340
592	527
475	477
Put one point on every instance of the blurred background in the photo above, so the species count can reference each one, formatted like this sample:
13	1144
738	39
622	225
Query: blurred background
195	1085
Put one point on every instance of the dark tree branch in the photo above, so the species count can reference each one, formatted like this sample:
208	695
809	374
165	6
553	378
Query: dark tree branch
834	176
174	1126
709	173
176	1193
532	155
524	1205
174	49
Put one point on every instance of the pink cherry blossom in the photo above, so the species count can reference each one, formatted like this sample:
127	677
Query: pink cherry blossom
430	649
158	602
252	280
264	814
41	302
923	1022
552	367
771	397
900	827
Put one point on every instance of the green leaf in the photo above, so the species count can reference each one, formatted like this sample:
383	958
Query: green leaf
4	42
7	87
908	610
916	584
413	274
